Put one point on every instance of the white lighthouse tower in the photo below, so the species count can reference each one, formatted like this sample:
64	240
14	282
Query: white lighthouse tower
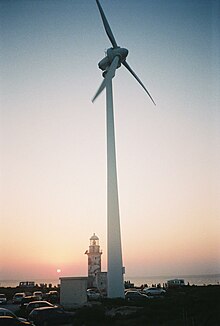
94	260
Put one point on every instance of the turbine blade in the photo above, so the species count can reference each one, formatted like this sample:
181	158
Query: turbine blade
136	77
106	26
110	74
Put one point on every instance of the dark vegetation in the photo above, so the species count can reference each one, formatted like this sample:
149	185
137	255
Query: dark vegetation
189	306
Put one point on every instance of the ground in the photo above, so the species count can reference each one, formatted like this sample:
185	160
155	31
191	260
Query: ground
189	306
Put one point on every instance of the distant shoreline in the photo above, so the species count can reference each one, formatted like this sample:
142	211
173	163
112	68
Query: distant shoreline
206	279
201	279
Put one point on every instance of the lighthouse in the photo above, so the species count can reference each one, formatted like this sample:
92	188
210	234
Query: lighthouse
94	260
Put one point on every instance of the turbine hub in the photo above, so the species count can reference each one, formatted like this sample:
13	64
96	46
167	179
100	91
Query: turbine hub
105	63
113	52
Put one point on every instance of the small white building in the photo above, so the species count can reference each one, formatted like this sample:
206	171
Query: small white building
73	291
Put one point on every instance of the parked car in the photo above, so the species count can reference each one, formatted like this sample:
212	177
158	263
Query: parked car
9	313
53	293
10	321
18	297
3	298
25	301
37	304
122	311
154	291
135	296
38	295
175	283
50	316
52	296
93	295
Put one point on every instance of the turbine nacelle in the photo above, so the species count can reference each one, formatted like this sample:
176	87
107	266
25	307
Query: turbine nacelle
105	63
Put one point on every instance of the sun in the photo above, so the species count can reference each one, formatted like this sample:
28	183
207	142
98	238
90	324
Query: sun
58	270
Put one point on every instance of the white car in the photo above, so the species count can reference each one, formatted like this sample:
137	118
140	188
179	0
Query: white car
154	291
38	295
3	298
93	295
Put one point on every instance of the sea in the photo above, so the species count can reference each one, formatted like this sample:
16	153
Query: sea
210	279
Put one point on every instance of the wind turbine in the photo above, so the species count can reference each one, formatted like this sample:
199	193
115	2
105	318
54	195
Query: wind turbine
113	60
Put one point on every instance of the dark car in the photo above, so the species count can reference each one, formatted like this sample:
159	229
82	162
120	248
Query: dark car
10	321
3	298
136	296
6	312
52	296
50	316
26	300
37	304
18	297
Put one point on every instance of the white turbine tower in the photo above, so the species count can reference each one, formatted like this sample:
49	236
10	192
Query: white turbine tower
113	60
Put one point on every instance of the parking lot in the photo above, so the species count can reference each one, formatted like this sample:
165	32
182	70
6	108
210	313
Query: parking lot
16	307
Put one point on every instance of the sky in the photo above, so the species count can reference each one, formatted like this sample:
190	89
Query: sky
53	139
